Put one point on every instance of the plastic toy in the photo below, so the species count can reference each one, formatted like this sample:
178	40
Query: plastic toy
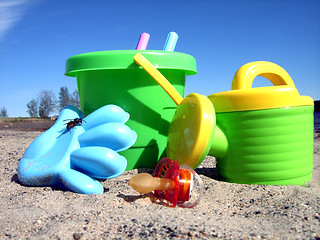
143	41
269	130
112	77
73	157
171	42
171	183
259	135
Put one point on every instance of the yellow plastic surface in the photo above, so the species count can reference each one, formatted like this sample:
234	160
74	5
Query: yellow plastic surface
243	97
161	80
190	130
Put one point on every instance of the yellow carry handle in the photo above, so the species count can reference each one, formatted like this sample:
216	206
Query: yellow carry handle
246	74
161	80
243	97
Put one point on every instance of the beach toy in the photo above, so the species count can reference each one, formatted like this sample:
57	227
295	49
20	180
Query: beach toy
170	182
143	41
171	42
269	129
258	135
71	157
112	77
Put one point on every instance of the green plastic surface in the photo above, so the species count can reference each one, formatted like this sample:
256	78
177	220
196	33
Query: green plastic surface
112	77
123	59
273	146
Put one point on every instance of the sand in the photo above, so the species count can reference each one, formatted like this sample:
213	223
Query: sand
227	210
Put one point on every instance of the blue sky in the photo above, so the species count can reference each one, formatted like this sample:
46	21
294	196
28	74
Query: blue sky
38	36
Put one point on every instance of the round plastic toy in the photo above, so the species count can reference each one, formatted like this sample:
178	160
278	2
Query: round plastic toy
75	150
170	182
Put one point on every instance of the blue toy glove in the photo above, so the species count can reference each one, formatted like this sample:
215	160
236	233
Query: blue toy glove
72	154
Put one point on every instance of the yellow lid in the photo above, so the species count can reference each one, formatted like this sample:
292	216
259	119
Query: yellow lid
190	130
243	97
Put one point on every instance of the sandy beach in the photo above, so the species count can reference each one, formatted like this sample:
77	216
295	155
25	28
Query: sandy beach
227	210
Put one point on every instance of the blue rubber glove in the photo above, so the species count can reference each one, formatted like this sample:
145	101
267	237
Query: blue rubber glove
74	157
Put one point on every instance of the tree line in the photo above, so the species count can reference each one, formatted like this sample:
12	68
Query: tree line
3	112
47	103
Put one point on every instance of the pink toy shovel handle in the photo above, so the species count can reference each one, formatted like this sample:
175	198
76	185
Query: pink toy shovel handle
143	41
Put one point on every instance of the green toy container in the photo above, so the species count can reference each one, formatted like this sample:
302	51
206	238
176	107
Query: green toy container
112	77
269	129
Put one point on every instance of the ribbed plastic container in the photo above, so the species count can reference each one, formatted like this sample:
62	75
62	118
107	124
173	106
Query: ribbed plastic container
269	129
272	146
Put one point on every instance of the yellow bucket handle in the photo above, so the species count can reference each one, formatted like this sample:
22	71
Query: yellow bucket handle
244	77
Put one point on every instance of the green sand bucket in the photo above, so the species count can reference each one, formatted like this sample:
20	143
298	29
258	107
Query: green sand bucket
112	77
269	129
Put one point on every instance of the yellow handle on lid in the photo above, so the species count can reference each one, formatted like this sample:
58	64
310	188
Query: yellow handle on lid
244	77
243	97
